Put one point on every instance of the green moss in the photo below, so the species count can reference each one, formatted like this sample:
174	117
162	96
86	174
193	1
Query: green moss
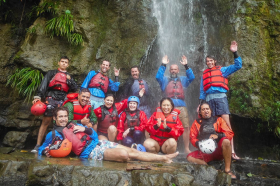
18	54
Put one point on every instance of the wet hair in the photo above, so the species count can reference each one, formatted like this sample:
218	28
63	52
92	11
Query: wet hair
84	90
211	57
109	94
106	61
64	57
170	100
203	103
135	67
56	110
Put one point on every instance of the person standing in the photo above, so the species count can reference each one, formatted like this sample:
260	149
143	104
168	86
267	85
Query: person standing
173	87
214	86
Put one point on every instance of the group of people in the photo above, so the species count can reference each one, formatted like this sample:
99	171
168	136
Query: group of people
106	130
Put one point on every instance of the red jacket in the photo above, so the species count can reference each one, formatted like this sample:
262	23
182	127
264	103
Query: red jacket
122	125
214	77
172	121
220	126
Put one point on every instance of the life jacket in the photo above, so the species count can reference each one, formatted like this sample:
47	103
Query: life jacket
79	140
58	82
131	121
213	77
79	111
171	120
99	81
174	89
107	119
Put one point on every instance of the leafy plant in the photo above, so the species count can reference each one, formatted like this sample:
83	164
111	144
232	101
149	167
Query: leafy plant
25	81
44	7
2	1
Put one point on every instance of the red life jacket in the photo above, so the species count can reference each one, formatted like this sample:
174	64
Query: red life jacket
58	82
213	77
131	121
79	140
141	84
171	120
99	81
107	119
174	89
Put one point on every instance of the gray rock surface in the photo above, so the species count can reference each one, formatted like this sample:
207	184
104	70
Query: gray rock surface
15	139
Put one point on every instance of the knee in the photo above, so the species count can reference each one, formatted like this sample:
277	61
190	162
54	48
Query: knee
190	159
172	142
112	129
123	155
148	145
226	143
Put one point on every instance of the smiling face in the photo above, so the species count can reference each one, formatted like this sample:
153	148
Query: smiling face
174	70
210	62
205	111
135	73
62	118
166	107
83	98
109	101
132	105
63	64
105	66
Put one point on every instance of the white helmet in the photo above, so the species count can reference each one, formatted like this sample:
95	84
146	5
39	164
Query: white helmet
207	146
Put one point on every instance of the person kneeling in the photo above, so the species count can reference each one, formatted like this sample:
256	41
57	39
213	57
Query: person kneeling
165	128
213	128
132	123
85	143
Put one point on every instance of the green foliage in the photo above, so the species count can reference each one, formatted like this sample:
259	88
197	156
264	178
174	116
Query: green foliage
25	81
42	8
2	1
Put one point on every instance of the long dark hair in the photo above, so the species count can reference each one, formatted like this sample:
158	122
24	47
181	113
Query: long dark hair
203	103
170	100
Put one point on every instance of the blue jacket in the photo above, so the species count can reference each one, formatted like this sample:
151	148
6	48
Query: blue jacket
185	80
114	86
226	71
84	154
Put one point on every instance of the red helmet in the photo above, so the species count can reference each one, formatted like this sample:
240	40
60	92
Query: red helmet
38	108
63	150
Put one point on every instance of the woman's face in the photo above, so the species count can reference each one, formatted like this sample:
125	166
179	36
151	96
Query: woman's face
166	107
132	105
108	101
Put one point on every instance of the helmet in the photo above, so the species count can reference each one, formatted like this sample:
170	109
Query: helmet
134	98
207	146
38	108
60	149
138	147
127	141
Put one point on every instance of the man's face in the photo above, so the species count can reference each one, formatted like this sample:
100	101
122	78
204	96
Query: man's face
83	98
205	111
62	118
63	64
132	105
135	73
174	70
105	66
210	62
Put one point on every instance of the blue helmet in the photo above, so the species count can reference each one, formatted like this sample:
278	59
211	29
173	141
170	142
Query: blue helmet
134	98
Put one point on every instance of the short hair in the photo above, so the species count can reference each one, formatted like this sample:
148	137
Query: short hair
169	99
135	66
211	57
64	57
56	110
84	90
107	61
203	103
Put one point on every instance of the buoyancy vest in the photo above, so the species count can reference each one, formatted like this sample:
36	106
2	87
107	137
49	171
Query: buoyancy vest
131	121
99	81
174	89
171	120
214	77
58	82
107	119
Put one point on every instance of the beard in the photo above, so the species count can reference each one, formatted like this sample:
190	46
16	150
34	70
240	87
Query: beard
173	75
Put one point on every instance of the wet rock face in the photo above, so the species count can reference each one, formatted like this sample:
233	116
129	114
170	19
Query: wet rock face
15	139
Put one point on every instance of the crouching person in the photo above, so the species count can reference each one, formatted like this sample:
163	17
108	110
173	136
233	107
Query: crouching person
85	143
211	135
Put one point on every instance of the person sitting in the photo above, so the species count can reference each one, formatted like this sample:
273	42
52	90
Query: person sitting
132	123
80	109
164	127
93	148
211	127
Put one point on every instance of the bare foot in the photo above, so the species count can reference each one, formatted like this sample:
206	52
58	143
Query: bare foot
234	156
187	151
170	156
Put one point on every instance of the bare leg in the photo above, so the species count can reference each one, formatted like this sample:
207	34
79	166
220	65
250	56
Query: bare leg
186	138
45	123
116	154
227	156
146	156
226	118
151	145
196	161
112	133
169	146
101	137
147	135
